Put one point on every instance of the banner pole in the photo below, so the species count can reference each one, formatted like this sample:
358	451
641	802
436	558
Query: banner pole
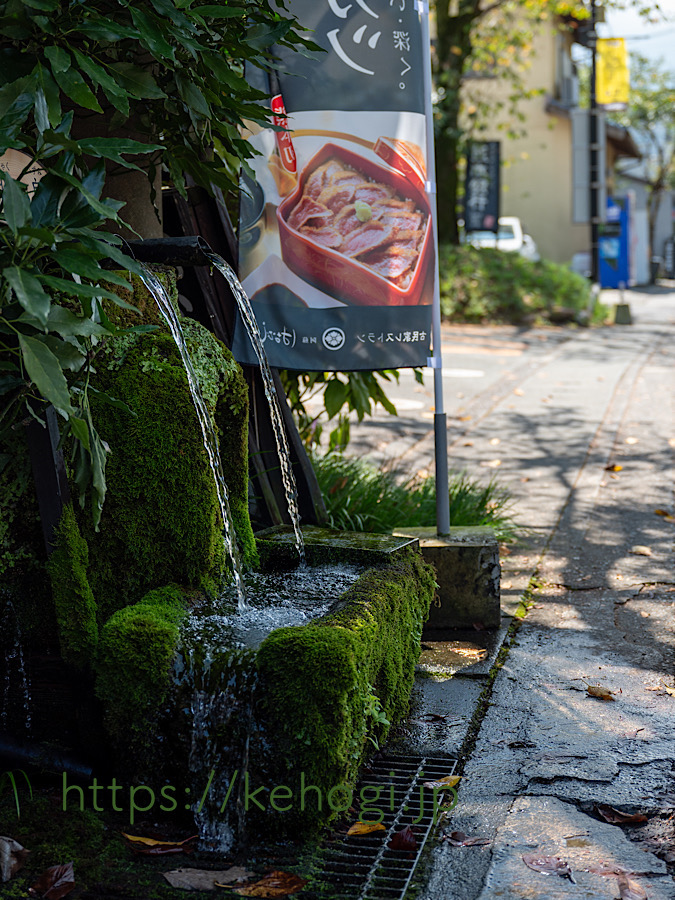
436	361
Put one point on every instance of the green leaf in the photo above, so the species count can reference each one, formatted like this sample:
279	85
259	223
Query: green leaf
107	208
110	401
74	85
114	148
67	324
59	59
51	94
15	203
44	370
139	83
98	75
150	34
192	96
73	289
215	11
335	397
69	356
81	431
29	293
86	265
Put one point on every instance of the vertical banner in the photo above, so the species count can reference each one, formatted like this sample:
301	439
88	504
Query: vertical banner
612	82
482	186
336	245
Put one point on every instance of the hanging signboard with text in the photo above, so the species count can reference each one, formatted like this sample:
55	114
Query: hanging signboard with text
336	247
481	187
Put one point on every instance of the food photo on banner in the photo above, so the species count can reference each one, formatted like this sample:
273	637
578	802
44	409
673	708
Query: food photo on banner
336	246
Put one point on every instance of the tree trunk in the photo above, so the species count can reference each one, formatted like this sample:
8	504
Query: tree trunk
453	50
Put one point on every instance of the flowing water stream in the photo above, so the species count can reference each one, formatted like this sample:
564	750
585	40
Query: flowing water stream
170	315
248	317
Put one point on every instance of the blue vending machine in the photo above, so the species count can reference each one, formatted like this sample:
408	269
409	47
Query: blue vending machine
614	244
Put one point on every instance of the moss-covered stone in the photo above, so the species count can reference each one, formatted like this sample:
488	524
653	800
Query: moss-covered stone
326	687
73	598
161	520
136	652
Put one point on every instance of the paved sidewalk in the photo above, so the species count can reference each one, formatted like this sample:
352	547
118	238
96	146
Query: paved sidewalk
547	752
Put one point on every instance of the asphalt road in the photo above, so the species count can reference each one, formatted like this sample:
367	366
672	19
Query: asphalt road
579	424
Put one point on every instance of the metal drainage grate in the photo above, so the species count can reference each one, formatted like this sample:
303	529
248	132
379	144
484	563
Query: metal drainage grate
365	867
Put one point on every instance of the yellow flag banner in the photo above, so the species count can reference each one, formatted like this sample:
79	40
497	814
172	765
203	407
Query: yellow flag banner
612	82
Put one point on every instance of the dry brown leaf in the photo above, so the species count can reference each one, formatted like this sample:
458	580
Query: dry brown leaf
276	884
665	514
359	829
616	817
404	840
55	882
599	692
613	467
151	847
450	781
608	871
548	865
459	839
205	879
630	889
12	858
641	550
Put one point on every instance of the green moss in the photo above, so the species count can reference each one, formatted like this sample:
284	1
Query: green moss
147	311
161	521
136	652
73	599
328	687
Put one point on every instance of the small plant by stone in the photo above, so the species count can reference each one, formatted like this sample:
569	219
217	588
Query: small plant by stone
9	778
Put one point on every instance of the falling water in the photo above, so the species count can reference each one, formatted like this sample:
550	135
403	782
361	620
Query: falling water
163	300
14	661
287	476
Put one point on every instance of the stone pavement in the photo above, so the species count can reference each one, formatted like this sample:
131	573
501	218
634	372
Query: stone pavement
583	427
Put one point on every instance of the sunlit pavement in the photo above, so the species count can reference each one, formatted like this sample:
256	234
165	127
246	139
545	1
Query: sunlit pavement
579	425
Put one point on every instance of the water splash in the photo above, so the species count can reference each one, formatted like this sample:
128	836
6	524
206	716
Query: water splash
248	316
156	288
15	665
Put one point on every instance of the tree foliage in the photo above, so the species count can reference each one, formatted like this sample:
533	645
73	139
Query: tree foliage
486	39
171	72
651	116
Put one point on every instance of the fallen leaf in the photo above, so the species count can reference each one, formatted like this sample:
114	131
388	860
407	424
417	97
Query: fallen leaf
599	692
548	865
276	884
491	464
616	817
495	441
55	882
665	514
205	879
632	440
404	840
671	442
630	889
450	781
362	828
12	857
434	717
518	392
613	467
464	418
459	839
151	847
669	690
641	550
467	444
608	871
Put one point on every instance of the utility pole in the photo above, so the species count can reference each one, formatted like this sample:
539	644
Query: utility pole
594	153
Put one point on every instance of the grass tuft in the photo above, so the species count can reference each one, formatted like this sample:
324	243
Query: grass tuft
362	497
